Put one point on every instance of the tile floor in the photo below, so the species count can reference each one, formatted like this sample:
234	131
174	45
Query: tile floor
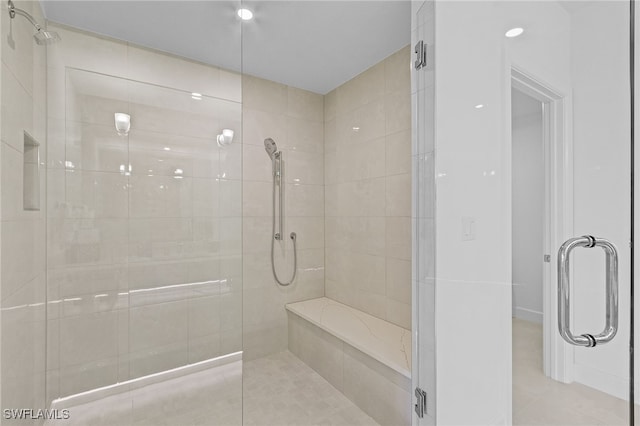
282	390
538	400
278	390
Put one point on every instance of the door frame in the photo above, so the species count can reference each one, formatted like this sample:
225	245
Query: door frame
557	209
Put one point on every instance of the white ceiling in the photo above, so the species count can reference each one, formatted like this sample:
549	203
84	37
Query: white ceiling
313	45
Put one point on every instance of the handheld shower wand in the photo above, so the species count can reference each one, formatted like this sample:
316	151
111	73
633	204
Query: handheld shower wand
276	163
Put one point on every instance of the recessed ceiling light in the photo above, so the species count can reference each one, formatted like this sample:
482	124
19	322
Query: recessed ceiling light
196	96
479	106
514	32
245	14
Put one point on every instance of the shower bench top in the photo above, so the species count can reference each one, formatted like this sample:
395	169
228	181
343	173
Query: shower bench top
380	339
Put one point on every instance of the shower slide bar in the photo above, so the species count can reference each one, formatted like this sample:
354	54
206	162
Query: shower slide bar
611	291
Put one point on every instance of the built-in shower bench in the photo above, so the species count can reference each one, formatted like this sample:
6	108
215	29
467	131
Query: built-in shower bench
368	359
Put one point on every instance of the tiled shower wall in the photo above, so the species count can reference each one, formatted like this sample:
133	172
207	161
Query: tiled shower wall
368	191
144	237
22	279
293	118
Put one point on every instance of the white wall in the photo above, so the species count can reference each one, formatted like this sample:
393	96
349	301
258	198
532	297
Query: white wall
473	179
528	203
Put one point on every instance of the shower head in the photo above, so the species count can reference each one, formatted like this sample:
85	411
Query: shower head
42	37
270	147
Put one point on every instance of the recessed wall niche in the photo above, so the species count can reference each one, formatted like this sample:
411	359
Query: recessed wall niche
31	173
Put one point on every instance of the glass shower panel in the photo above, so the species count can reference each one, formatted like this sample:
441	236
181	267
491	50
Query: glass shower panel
572	59
145	254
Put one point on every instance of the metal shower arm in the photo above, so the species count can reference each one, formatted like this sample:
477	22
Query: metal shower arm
13	11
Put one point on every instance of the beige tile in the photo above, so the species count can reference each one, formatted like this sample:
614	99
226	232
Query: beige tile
158	325
80	378
330	105
23	259
398	313
172	71
398	200
304	168
362	89
398	112
164	154
161	196
257	198
304	104
356	234
318	349
397	69
17	111
398	237
256	234
87	52
259	125
304	200
370	302
204	316
363	123
399	280
56	93
95	195
158	358
260	340
304	135
79	342
230	86
95	147
264	95
56	141
398	153
257	165
309	230
204	347
18	49
369	386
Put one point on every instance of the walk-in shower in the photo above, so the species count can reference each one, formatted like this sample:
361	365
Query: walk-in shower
277	175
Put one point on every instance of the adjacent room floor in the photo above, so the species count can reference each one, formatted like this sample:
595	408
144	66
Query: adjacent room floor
539	400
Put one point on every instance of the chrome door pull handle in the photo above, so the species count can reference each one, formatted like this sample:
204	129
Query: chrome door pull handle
611	290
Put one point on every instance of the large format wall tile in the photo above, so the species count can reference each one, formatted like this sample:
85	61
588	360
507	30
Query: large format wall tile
293	118
367	175
145	229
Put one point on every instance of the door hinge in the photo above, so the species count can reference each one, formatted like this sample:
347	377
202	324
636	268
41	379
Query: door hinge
547	258
421	55
421	402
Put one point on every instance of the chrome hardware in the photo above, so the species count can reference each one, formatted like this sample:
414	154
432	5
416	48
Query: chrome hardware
276	163
421	402
277	170
421	55
611	290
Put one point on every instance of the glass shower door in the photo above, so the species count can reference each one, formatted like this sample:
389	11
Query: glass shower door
533	212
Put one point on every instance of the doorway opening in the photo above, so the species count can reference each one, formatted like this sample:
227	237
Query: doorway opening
542	211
